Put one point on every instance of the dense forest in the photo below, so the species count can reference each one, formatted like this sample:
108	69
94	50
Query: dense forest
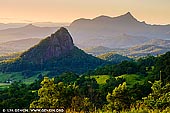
83	93
77	59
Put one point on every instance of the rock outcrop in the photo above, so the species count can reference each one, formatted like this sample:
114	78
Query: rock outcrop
56	45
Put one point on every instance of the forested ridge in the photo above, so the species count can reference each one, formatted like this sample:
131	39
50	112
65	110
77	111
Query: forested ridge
83	93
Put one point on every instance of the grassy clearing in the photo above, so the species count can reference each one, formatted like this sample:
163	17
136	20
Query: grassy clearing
132	79
17	76
4	85
33	78
101	79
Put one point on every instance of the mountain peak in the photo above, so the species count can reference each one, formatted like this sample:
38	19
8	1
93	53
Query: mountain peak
62	30
102	18
30	26
128	15
53	46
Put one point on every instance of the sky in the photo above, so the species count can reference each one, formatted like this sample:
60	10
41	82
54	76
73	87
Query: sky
150	11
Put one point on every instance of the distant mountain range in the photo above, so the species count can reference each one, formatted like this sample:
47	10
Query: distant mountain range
98	50
28	31
40	24
151	47
112	32
113	57
96	36
17	45
115	32
158	42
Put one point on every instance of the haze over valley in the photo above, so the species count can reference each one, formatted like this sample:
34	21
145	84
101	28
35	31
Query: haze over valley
121	32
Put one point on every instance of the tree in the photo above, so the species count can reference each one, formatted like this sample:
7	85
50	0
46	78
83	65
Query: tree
53	95
81	104
48	95
160	96
18	95
67	78
119	99
163	64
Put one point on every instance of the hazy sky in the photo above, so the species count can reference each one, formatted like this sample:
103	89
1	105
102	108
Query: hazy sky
151	11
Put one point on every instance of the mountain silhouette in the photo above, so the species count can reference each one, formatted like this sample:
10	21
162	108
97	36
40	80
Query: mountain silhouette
106	31
102	21
126	17
17	45
56	52
25	32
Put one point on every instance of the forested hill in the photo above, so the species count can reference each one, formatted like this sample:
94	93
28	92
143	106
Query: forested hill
141	86
56	52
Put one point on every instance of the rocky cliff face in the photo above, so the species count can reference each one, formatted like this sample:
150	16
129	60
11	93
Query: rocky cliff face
59	43
56	45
